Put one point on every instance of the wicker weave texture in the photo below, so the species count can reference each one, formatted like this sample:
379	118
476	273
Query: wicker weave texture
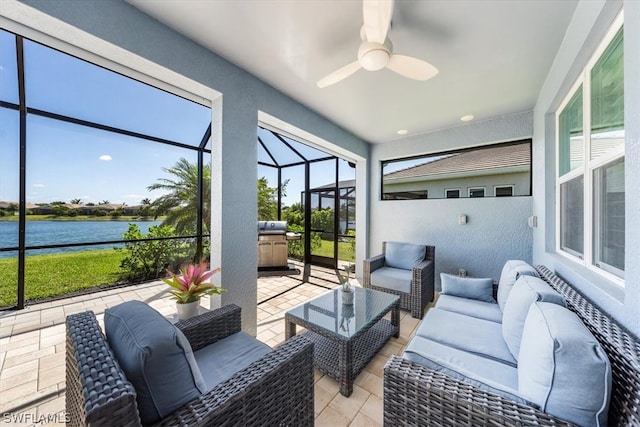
422	283
98	392
344	358
621	346
417	396
275	390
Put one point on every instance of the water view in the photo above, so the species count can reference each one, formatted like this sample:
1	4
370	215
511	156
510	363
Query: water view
41	233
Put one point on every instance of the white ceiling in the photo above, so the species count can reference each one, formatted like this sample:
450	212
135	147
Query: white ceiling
493	56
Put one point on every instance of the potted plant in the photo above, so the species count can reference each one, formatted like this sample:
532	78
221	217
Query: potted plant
190	286
346	287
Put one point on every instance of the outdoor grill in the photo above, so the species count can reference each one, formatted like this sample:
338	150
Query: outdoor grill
273	243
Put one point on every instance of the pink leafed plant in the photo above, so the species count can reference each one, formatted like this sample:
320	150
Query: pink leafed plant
190	286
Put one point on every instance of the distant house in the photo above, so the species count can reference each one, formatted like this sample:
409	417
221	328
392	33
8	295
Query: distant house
47	209
497	171
12	207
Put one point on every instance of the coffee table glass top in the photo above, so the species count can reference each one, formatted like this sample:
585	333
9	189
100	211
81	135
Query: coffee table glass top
329	313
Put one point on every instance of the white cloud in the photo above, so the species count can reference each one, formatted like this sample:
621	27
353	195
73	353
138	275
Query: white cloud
39	185
105	157
134	196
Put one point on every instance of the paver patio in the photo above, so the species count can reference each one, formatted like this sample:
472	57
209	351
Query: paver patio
32	350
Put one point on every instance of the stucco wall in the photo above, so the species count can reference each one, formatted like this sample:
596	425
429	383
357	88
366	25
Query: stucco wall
436	188
234	153
589	24
487	240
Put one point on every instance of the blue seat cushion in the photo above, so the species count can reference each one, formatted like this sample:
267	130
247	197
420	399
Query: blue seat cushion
392	278
402	255
486	374
511	271
467	287
155	357
526	291
480	309
562	367
221	360
478	336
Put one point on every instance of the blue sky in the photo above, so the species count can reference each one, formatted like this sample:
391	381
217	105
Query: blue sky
67	161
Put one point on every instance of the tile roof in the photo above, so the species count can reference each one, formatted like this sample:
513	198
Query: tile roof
501	156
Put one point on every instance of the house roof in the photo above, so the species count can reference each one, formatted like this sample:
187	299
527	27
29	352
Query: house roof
342	184
481	159
5	204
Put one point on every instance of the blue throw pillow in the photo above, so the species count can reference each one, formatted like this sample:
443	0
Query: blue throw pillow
155	357
403	255
467	287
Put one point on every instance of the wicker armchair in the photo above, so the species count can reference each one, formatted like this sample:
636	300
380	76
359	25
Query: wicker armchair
422	283
416	395
275	390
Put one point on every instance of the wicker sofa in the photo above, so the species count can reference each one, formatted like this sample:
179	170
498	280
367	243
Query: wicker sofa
415	394
277	389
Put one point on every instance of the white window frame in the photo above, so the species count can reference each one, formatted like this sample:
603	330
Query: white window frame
451	189
495	189
589	165
470	189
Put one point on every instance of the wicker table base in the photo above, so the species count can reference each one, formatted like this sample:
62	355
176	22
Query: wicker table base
344	357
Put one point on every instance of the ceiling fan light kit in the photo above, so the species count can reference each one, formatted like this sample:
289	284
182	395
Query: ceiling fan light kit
376	51
374	56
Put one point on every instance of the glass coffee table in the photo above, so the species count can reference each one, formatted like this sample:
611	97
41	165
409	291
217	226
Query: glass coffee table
346	336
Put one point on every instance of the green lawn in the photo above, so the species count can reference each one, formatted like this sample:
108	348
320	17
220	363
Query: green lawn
345	252
57	274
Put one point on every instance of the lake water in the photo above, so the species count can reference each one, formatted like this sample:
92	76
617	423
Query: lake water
60	232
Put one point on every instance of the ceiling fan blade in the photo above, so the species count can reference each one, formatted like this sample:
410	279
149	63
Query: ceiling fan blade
412	68
377	19
339	74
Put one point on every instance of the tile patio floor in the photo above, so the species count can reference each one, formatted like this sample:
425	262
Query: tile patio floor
32	350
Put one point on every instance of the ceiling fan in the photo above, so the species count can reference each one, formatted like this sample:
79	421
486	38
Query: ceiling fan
376	51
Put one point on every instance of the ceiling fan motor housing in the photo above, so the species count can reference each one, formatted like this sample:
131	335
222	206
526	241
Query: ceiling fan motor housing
374	56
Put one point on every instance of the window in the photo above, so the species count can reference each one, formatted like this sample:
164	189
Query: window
95	144
503	190
471	171
590	170
476	192
405	195
452	193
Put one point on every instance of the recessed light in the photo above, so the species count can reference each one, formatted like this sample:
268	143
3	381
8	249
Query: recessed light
467	118
403	132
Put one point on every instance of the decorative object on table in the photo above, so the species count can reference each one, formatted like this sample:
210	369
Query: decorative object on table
347	288
347	314
189	287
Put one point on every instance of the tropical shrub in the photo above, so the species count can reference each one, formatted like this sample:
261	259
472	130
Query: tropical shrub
296	247
150	259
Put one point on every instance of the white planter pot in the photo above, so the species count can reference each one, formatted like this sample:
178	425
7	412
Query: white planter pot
188	310
347	297
215	301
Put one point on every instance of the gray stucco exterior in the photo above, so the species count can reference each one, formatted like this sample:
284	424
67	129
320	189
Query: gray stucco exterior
588	26
488	239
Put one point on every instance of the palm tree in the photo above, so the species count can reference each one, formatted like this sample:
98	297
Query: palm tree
145	207
180	204
76	201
